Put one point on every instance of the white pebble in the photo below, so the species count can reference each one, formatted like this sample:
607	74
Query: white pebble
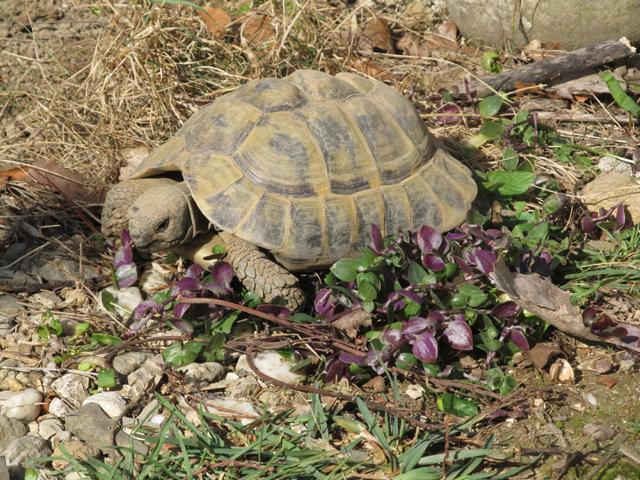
24	405
111	402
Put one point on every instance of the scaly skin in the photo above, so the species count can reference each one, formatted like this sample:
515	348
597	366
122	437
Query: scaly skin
261	275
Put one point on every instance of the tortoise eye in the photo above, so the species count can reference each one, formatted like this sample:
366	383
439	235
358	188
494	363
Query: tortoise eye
162	226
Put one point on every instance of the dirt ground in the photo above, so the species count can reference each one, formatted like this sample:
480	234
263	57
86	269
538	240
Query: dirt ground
93	86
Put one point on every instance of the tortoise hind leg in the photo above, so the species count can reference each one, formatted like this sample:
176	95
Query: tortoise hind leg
120	197
261	275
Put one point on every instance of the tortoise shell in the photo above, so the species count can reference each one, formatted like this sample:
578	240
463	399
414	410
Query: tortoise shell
302	166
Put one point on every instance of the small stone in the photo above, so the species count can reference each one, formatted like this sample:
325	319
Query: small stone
241	387
538	402
598	433
273	364
127	441
414	391
611	188
377	384
59	408
206	372
76	448
245	412
562	371
25	405
128	362
610	164
50	427
23	449
126	300
10	309
145	378
72	387
92	425
10	429
46	299
111	402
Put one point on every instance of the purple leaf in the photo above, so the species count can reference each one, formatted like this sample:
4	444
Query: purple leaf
433	262
455	236
393	338
517	337
194	271
459	334
416	325
449	114
493	233
425	348
484	260
587	224
221	276
589	316
377	244
145	308
323	303
187	284
124	255
350	358
429	239
506	311
180	309
183	326
126	275
275	310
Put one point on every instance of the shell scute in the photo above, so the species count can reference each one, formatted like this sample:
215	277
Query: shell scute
228	209
425	209
320	86
369	210
271	95
267	223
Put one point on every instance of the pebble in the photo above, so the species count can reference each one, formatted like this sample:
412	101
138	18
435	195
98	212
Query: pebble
207	372
126	299
414	391
111	402
92	425
72	387
245	412
50	427
59	408
598	432
46	299
129	362
77	448
145	377
273	364
23	449
10	429
25	405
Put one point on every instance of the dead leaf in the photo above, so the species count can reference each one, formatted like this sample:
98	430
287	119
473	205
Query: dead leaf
411	44
608	381
369	67
53	177
215	19
132	157
449	30
257	30
352	320
543	353
376	384
562	371
375	37
541	297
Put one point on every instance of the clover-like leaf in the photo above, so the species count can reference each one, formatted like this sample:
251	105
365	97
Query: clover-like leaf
429	239
459	334
517	336
425	347
506	311
221	277
433	262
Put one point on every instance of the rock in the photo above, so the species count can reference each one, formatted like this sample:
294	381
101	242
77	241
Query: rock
414	391
92	425
23	449
197	373
145	378
4	470
127	441
566	24
611	188
610	164
46	299
245	412
111	402
25	405
126	300
50	427
128	362
10	309
10	429
273	364
59	408
598	433
76	448
9	378
73	388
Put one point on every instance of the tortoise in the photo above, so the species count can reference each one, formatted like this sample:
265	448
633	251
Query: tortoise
289	174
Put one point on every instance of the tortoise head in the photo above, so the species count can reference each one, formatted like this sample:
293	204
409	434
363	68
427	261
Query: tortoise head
162	217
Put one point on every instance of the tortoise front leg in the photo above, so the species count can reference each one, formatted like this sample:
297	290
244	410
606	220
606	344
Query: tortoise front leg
261	275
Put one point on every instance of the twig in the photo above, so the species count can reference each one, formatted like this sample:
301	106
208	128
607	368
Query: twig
586	117
37	287
614	450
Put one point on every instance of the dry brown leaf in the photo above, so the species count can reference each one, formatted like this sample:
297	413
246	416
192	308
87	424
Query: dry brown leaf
608	381
542	353
215	19
352	320
411	44
377	384
448	29
257	30
369	67
375	37
541	297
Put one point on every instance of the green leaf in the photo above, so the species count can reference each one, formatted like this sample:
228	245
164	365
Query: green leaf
509	183
492	130
490	106
179	354
419	276
489	62
86	366
510	159
107	378
81	328
411	308
56	326
367	291
347	269
105	339
619	95
406	361
538	234
219	250
300	317
494	378
475	296
370	277
43	333
508	385
108	301
31	474
464	408
422	473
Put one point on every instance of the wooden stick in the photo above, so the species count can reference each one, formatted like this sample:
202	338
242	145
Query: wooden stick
572	64
586	117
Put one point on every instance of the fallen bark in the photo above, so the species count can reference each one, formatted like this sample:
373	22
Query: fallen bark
559	69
